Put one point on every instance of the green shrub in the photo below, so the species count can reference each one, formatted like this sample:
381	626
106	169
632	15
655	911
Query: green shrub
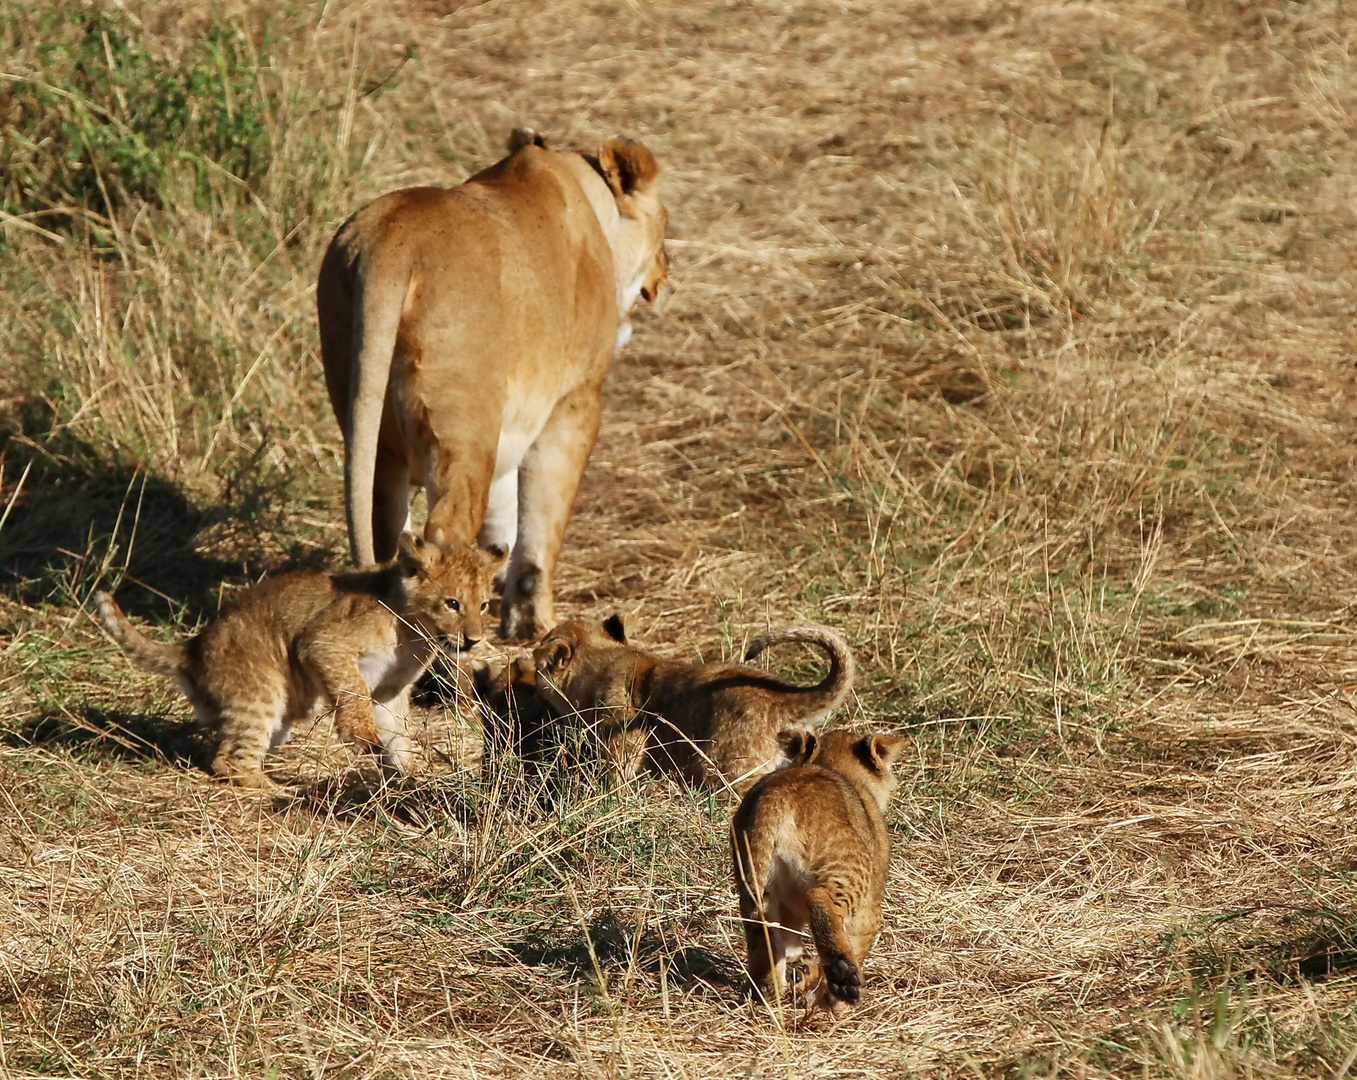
101	118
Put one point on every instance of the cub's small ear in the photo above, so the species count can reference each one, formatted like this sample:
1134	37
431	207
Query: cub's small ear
615	628
883	750
495	556
551	657
410	554
627	166
525	136
797	746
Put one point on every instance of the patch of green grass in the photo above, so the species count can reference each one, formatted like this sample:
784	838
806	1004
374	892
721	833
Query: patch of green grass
106	115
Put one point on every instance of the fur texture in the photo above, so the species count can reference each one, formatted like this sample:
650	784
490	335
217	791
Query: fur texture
714	725
810	849
355	642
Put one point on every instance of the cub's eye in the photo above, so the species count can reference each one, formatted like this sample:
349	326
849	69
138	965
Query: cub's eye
485	607
453	603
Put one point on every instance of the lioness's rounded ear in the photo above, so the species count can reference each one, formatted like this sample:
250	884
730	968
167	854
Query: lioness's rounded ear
627	166
524	136
615	629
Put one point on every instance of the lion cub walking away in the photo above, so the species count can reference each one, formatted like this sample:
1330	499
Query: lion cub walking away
713	725
810	846
354	641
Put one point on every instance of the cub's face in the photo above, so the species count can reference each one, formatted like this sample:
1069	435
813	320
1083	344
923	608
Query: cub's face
447	587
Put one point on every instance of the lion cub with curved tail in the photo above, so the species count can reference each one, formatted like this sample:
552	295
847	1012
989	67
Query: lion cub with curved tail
356	641
810	847
713	725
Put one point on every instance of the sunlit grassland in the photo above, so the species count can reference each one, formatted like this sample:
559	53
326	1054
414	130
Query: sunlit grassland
1013	341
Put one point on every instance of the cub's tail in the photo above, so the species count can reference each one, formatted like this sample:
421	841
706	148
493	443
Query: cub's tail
156	657
827	695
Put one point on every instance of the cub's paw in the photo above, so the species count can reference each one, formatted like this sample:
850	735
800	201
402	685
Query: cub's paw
759	991
841	975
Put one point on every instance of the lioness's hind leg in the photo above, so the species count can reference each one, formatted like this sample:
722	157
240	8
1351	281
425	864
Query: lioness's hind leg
547	482
500	528
392	718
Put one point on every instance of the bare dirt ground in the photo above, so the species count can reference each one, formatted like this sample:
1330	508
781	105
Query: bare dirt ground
1013	340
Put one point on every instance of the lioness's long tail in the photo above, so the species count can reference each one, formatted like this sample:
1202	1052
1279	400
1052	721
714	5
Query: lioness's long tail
377	303
157	657
827	695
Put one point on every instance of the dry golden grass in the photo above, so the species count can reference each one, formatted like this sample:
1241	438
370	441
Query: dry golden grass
1013	340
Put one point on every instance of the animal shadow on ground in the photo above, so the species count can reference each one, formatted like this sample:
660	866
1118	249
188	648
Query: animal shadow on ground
430	804
1322	945
119	735
617	949
1326	948
72	516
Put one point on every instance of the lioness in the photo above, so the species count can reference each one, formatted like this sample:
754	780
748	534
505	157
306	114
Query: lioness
712	725
810	846
356	641
465	334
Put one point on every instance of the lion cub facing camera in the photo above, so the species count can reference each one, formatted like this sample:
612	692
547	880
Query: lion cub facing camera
713	725
810	847
355	641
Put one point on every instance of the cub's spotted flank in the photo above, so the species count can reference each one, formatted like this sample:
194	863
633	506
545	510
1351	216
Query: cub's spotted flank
712	725
354	642
810	847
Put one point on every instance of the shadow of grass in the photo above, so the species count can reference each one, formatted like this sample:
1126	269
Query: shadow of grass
119	736
1314	945
72	516
425	803
615	946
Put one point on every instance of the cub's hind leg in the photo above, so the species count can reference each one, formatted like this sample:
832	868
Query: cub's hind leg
765	942
842	938
765	948
247	730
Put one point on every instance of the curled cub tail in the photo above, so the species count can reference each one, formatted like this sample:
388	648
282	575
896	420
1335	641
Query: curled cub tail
156	657
827	695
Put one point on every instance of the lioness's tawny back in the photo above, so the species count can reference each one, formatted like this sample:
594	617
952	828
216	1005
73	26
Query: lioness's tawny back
465	334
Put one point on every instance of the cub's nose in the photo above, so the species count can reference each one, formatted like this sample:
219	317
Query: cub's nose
469	642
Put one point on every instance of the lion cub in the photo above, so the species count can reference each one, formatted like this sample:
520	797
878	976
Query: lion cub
356	641
713	725
810	846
